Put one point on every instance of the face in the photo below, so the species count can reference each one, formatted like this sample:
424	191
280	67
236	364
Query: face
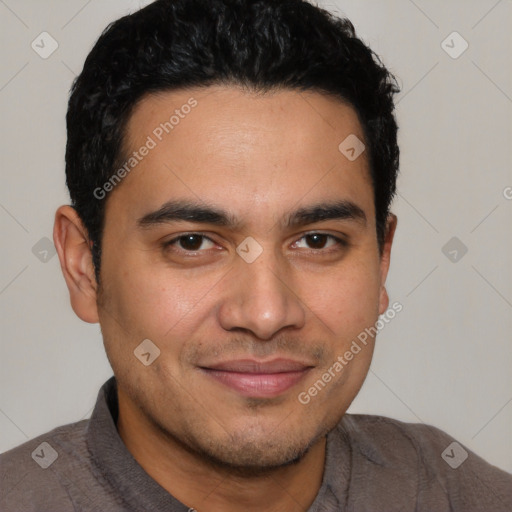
243	245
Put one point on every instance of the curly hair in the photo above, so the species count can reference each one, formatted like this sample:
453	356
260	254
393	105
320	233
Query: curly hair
257	44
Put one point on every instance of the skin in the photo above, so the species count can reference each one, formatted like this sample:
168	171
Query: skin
260	157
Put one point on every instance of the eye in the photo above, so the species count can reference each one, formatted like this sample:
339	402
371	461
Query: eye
197	242
319	241
191	242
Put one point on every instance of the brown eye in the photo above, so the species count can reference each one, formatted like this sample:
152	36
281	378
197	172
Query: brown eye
319	241
191	243
316	241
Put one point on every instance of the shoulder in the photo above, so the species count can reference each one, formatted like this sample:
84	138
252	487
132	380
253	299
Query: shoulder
393	438
435	464
32	474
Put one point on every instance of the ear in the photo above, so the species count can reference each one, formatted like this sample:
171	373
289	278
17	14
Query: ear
73	247
385	259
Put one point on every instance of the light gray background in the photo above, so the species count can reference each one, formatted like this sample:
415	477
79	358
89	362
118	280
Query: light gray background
444	360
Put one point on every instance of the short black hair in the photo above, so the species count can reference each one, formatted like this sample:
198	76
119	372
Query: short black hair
261	45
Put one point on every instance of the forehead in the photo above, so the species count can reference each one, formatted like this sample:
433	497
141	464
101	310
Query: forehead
248	150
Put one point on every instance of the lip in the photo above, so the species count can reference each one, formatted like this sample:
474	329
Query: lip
258	379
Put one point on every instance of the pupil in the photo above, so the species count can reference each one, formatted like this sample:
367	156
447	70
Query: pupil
191	242
316	241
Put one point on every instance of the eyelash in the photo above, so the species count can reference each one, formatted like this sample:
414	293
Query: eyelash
340	243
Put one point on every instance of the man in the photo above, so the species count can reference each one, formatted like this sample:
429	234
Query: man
231	166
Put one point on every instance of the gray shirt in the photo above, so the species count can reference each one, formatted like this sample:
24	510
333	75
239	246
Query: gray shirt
372	464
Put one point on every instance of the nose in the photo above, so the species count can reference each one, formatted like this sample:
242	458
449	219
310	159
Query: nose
262	298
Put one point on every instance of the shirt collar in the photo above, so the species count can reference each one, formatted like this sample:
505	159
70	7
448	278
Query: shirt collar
119	468
141	492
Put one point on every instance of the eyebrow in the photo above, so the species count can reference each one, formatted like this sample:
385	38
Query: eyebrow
338	210
189	211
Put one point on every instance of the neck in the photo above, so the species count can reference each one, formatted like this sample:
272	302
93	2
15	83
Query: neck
203	485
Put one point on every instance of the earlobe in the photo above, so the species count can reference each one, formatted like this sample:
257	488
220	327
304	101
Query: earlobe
73	247
385	261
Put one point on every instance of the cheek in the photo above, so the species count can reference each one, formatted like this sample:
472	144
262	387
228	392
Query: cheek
156	301
346	300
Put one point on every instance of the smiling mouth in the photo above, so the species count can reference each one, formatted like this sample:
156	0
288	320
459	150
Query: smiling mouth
258	379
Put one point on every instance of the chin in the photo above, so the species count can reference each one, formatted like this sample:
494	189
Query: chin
250	460
247	454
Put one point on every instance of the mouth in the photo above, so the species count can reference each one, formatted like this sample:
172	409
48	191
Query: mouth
258	379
